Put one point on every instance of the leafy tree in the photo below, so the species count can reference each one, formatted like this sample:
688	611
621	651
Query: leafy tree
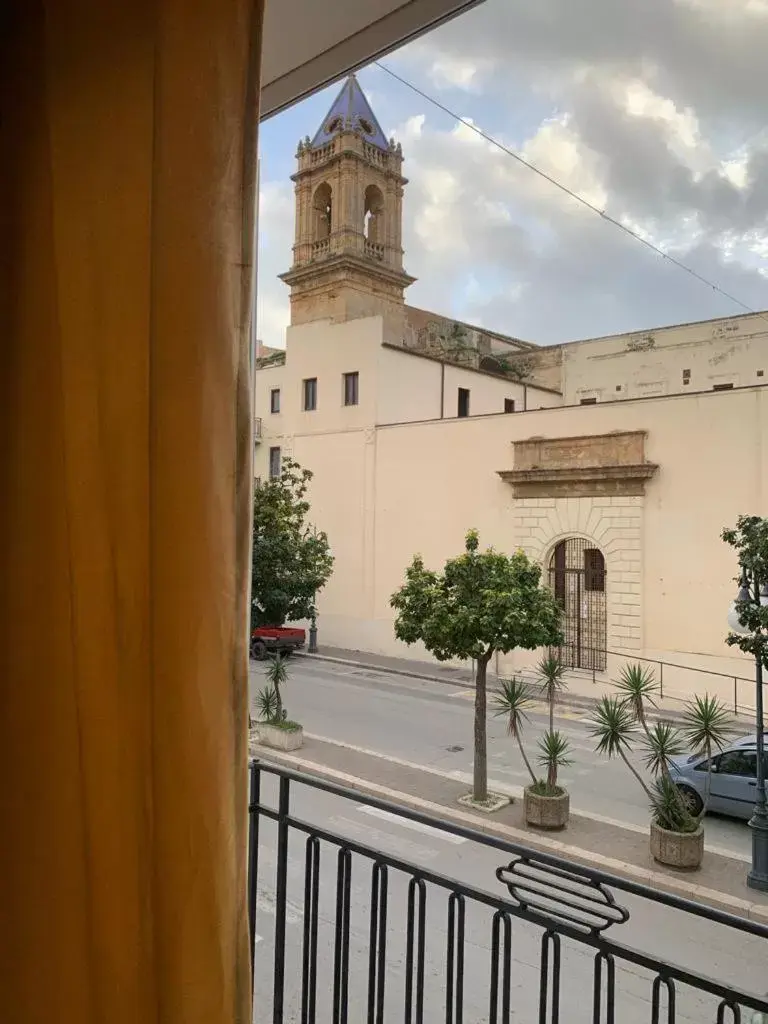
291	560
481	603
750	539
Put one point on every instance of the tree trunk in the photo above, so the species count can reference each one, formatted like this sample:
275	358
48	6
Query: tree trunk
480	777
525	759
636	773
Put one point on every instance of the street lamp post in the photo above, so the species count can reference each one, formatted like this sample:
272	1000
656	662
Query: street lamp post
751	592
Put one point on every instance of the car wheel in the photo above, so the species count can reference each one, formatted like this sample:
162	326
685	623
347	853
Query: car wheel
258	650
693	802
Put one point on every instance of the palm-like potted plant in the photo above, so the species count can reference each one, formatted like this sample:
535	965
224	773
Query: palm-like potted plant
677	834
546	804
274	727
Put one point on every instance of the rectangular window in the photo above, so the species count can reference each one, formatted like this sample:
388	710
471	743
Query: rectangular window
309	397
463	402
351	388
509	405
588	401
274	463
274	400
686	376
722	387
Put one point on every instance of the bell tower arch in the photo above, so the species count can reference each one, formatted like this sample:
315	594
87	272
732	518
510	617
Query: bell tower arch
347	252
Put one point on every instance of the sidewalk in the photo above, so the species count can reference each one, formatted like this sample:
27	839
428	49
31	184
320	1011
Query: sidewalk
581	691
721	882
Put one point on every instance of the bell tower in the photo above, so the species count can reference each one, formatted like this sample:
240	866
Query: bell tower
347	253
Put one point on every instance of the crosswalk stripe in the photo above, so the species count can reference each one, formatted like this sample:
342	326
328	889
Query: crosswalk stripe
417	826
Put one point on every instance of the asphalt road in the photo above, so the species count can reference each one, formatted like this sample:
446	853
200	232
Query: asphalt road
710	949
431	724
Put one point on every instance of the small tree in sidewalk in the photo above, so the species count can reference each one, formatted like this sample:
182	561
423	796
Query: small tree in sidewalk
512	703
619	721
482	602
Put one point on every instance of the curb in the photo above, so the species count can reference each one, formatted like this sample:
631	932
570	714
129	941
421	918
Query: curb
570	700
722	901
506	789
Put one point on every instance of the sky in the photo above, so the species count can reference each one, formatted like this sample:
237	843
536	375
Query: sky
654	111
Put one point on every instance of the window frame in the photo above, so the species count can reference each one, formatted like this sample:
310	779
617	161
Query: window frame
309	389
462	401
274	406
274	471
747	752
350	388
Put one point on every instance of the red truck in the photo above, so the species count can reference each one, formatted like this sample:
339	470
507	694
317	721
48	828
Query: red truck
266	640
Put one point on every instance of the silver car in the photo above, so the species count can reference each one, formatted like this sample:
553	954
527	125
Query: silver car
734	779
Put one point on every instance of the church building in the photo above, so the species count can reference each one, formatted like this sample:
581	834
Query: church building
615	462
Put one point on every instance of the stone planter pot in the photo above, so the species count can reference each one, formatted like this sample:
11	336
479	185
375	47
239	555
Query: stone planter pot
546	811
278	737
677	849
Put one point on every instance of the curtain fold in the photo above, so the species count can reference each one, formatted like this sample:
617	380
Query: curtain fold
127	168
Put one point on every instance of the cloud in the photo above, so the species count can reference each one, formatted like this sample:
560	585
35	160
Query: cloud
654	111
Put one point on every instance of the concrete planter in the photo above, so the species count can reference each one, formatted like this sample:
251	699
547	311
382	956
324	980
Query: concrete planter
546	811
677	849
278	738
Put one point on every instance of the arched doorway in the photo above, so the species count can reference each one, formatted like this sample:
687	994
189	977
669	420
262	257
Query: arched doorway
577	578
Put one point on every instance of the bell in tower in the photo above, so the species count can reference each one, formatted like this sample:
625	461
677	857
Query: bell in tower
348	254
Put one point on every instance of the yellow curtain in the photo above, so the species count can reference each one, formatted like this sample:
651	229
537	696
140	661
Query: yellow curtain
127	162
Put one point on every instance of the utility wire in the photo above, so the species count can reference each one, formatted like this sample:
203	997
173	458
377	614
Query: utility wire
564	188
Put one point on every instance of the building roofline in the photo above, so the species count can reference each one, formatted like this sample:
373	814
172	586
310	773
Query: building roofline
470	369
508	338
662	327
688	395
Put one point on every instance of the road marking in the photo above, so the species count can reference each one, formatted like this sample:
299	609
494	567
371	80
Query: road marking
417	826
405	848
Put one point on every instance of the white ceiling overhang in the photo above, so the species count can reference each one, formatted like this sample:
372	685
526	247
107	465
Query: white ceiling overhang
310	43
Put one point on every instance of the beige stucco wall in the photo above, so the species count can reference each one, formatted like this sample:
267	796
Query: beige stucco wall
396	386
669	578
726	351
385	488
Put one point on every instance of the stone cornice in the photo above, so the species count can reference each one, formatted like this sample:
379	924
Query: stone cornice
339	262
586	466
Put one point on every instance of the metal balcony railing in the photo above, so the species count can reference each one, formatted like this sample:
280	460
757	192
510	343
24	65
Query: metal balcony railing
343	931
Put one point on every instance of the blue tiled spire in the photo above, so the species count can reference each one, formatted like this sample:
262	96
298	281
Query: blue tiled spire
352	110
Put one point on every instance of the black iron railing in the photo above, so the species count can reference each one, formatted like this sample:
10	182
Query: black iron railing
346	931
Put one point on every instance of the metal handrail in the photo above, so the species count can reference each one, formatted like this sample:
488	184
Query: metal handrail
631	656
560	897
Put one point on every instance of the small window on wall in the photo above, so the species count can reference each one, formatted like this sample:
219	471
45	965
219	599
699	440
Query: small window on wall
594	571
722	387
274	463
309	395
274	400
686	376
351	388
463	409
509	405
588	401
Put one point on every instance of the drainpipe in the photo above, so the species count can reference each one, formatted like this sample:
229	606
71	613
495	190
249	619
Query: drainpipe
442	391
525	398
